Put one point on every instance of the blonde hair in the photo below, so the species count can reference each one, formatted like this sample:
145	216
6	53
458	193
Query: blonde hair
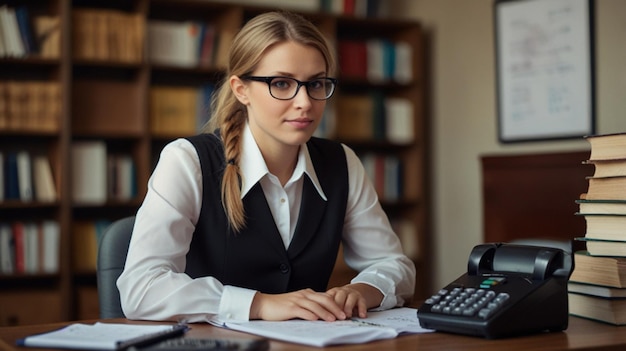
229	115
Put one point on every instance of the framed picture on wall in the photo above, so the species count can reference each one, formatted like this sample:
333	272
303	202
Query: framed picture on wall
545	69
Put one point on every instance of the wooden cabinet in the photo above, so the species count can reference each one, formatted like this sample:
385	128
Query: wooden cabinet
106	86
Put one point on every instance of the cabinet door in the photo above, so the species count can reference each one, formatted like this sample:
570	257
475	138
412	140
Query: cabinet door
30	307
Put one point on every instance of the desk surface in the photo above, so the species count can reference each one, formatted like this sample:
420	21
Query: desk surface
581	335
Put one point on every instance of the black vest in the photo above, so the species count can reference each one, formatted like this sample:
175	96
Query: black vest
256	258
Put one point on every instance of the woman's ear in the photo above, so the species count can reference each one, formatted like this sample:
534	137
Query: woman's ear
239	89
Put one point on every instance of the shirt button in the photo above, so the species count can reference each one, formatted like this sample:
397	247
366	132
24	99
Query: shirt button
284	268
282	200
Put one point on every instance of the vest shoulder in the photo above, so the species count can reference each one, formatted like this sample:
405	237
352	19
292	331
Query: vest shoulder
324	144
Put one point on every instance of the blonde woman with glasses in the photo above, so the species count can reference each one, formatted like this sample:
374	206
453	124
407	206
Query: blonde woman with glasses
245	220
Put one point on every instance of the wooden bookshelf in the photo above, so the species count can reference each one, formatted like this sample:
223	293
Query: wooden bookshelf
105	97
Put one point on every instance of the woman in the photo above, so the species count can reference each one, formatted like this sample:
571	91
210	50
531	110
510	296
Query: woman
244	221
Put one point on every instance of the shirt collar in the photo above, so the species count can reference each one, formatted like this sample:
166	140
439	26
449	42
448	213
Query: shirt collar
253	167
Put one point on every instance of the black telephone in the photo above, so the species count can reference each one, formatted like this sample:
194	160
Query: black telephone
509	289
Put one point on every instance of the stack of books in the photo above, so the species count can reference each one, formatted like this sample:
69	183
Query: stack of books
597	287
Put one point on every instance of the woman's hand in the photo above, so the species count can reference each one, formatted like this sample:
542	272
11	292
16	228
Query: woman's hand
355	299
304	304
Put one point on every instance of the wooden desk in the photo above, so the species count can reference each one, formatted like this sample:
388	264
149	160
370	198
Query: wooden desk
581	335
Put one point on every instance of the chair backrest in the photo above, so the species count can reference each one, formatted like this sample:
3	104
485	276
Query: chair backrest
112	250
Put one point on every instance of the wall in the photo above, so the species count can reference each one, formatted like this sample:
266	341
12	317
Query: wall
462	107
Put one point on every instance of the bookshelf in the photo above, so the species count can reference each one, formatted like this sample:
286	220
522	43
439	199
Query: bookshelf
108	94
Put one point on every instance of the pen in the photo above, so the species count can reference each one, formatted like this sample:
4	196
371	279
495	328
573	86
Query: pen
148	339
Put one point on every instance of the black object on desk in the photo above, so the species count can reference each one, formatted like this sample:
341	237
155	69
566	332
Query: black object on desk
211	344
509	289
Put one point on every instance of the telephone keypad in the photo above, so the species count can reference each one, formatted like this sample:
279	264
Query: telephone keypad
469	302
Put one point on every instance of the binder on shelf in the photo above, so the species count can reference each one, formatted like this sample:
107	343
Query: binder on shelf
89	172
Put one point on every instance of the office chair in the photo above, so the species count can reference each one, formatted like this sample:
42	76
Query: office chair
112	250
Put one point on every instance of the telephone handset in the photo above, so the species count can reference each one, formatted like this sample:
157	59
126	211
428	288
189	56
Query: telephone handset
509	289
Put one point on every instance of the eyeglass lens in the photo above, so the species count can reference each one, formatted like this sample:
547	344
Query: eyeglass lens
286	88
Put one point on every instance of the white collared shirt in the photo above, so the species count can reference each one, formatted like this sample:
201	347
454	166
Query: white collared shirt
154	286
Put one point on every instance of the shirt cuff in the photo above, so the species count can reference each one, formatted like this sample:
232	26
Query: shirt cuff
382	283
235	303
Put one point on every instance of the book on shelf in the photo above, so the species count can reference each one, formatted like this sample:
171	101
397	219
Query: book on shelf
608	188
31	247
605	226
50	234
24	176
188	44
28	247
19	247
355	117
3	49
352	58
206	51
99	34
376	60
607	207
607	146
48	36
4	106
356	8
608	310
377	326
385	173
174	43
89	172
32	105
13	45
608	168
596	290
2	171
25	26
604	271
222	44
403	71
85	237
173	110
399	117
11	178
121	179
45	189
7	249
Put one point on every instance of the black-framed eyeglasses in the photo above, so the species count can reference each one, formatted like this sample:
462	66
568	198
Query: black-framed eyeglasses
286	88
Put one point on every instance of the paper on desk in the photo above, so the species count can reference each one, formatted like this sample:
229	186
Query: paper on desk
378	325
98	336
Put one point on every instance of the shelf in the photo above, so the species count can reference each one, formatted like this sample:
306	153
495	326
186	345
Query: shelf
104	98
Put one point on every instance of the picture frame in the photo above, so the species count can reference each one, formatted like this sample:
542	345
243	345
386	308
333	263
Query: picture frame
544	69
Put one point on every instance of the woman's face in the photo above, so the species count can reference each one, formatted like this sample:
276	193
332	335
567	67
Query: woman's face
275	123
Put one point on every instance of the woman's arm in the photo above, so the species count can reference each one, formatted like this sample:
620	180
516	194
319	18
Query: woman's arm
153	284
370	245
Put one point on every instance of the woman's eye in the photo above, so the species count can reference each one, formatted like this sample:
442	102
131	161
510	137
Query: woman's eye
281	83
316	84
